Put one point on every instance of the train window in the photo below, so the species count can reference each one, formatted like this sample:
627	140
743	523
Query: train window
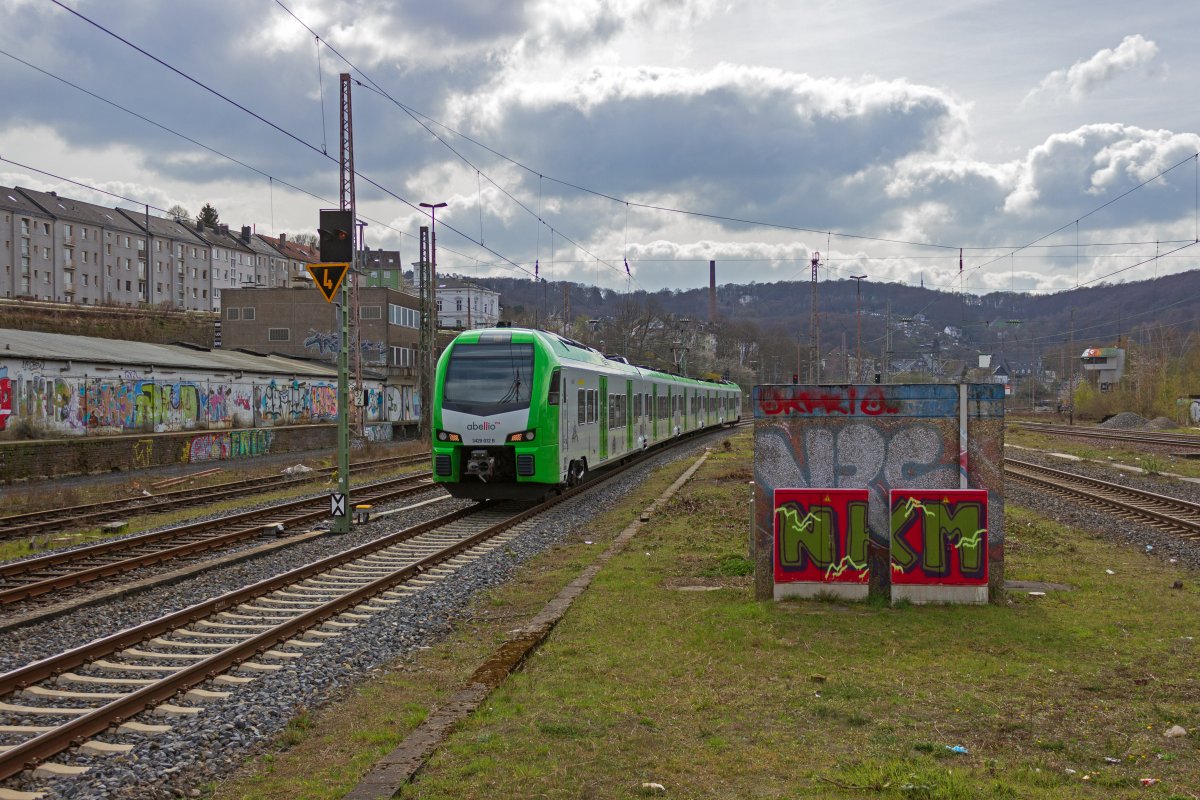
553	395
488	378
582	406
592	397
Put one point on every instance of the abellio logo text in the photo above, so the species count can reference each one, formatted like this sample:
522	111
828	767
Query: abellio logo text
482	426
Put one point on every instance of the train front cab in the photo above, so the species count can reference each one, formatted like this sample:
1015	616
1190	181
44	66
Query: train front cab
496	419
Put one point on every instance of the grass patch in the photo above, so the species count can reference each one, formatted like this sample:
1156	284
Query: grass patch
715	695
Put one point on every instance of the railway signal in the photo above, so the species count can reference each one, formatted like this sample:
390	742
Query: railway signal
336	235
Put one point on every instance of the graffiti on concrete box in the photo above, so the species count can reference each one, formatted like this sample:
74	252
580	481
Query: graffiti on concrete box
821	535
939	537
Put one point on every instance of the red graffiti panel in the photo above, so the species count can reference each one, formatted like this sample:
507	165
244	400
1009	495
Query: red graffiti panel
826	401
939	537
821	535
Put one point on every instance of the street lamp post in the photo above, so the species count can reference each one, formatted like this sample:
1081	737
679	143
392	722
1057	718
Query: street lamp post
429	323
858	279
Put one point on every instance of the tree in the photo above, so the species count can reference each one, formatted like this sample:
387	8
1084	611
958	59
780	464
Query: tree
179	213
309	239
209	216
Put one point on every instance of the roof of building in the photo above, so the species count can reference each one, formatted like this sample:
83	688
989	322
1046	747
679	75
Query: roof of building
218	236
459	283
294	250
12	200
35	345
79	211
168	228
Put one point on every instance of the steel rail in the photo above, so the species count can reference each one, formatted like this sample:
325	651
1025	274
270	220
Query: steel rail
319	510
29	523
1165	511
1147	437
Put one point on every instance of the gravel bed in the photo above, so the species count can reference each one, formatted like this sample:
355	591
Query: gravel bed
250	504
1121	532
210	745
1162	484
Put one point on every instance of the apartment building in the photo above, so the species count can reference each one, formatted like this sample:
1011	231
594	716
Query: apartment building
98	254
231	262
462	305
297	257
27	260
178	264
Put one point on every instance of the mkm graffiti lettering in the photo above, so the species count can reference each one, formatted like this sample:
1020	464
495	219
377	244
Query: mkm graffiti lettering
939	537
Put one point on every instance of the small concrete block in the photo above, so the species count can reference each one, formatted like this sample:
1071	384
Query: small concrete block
172	710
116	526
97	747
254	666
142	727
205	695
232	680
52	770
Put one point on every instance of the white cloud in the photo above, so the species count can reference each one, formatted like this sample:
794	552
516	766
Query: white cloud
1133	55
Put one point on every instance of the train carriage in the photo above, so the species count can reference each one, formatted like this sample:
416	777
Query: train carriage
519	412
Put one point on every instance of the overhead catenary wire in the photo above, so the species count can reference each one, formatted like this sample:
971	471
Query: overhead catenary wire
167	129
379	90
271	124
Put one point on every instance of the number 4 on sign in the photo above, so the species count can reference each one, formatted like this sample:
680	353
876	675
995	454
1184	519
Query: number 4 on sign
328	278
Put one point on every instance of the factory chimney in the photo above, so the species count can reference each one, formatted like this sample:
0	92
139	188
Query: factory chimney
712	291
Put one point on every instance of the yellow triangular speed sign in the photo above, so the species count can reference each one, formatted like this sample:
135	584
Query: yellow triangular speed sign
328	278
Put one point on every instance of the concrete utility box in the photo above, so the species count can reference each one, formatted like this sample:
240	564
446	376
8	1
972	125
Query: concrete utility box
910	451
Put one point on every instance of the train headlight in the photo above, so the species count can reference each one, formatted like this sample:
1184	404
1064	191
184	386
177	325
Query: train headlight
446	436
521	436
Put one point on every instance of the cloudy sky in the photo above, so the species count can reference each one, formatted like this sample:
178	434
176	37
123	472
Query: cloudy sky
580	134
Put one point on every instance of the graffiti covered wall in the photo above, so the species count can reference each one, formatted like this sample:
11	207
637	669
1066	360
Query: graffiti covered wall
875	438
56	399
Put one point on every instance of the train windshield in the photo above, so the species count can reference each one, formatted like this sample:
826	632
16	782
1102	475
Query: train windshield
485	379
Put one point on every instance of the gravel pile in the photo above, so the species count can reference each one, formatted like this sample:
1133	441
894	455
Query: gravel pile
1125	421
1163	423
209	746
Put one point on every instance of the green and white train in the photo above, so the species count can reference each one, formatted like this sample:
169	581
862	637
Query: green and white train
517	412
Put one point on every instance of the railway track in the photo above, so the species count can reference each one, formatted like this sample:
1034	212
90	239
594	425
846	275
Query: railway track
22	581
1138	437
132	684
62	701
1180	517
33	523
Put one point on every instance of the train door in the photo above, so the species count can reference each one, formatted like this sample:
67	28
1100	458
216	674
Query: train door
654	411
629	420
565	421
602	407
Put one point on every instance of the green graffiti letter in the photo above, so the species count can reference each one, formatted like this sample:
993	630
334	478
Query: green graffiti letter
812	534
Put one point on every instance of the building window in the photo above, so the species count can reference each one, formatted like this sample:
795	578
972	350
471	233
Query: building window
403	356
370	312
458	304
68	231
248	313
45	228
278	334
233	313
25	227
